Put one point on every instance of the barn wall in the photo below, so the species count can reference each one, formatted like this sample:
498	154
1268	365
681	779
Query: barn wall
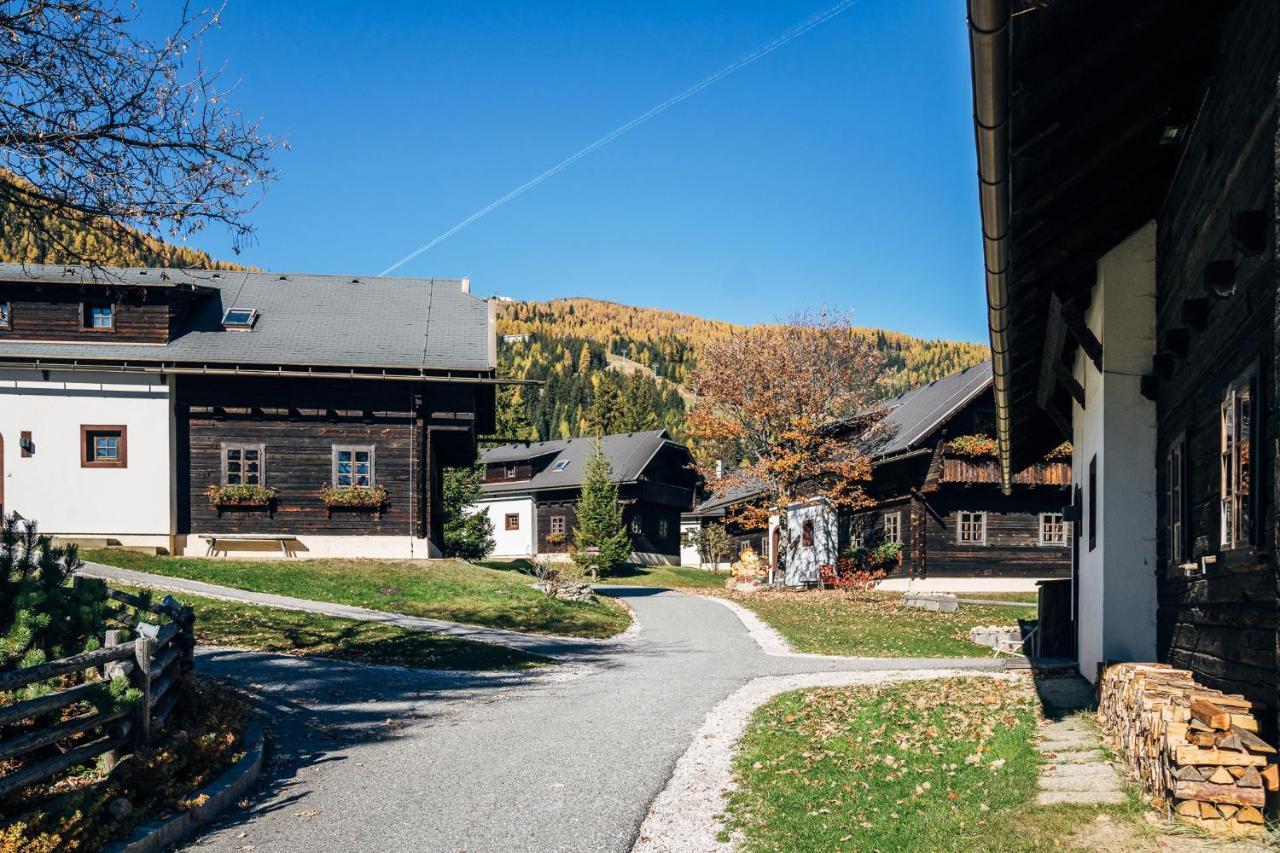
298	423
1012	546
1222	623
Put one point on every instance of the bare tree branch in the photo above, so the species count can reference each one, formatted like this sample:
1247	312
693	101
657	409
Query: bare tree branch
117	132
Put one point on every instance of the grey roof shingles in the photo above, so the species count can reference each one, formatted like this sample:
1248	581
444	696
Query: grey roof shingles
628	454
913	415
316	320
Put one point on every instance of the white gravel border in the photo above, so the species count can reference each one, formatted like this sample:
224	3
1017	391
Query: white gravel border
685	816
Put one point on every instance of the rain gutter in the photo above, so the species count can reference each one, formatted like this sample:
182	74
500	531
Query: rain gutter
989	51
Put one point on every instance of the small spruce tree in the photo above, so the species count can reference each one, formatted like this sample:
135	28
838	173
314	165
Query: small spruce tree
600	541
41	618
468	534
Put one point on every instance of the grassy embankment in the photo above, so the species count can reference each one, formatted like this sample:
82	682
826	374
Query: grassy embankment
451	590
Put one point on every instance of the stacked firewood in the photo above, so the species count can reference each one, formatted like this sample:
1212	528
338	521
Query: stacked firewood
1195	750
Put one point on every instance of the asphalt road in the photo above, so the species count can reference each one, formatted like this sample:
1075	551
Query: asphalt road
375	758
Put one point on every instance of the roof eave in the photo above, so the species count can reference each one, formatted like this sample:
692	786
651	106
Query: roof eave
989	49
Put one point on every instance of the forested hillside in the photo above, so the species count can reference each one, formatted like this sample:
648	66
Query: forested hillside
565	343
62	237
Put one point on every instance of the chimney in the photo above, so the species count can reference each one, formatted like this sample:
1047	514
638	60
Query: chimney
466	285
719	469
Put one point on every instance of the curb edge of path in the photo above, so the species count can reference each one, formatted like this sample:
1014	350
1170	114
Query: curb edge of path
162	833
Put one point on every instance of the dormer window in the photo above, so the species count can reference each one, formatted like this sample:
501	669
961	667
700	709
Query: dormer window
6	316
240	318
99	317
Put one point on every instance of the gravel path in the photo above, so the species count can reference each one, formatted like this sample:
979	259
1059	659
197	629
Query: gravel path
379	758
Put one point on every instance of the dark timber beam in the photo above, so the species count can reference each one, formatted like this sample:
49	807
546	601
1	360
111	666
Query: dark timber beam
1060	420
1084	336
1055	337
1068	380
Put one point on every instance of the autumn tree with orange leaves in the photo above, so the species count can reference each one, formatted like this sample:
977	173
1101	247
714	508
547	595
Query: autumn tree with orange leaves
791	407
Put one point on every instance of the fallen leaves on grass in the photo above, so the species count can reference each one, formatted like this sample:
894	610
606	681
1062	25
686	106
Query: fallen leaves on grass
885	767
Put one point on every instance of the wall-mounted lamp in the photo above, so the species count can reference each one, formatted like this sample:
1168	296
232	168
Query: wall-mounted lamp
26	445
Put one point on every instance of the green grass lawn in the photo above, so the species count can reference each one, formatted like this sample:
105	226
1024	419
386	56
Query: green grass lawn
270	629
874	625
945	765
670	577
1024	597
445	589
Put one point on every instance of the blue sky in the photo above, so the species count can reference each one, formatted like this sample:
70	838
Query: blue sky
837	170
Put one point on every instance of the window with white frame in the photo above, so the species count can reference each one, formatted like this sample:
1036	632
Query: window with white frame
243	465
893	527
1236	463
1176	473
637	524
662	528
511	472
557	524
5	315
971	528
352	466
1053	529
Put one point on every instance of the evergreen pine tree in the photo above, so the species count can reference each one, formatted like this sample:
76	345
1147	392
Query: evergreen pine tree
604	417
600	541
468	534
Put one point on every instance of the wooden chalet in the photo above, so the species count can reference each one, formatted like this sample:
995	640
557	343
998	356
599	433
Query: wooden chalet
200	411
531	492
937	494
1128	163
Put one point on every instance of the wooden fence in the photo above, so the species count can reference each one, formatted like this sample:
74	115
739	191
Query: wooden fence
153	663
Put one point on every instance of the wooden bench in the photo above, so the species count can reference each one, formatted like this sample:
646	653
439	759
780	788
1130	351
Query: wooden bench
282	540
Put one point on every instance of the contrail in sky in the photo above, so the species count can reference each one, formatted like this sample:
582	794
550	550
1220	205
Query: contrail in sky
759	53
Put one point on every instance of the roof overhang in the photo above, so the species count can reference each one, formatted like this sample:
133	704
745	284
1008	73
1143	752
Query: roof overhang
293	371
1070	103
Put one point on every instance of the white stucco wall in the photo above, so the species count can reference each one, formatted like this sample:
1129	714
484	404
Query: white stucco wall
511	543
135	504
803	562
1117	595
309	547
688	552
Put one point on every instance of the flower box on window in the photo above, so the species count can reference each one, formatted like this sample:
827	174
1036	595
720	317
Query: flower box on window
359	498
241	496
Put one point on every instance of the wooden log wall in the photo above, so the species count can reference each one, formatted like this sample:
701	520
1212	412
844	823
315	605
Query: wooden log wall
1222	625
54	313
1012	547
298	423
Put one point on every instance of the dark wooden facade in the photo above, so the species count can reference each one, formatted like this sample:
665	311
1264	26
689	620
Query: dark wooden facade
1220	207
652	502
415	429
927	490
1169	117
51	312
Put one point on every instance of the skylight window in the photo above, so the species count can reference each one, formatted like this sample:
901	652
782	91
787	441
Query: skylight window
240	318
561	465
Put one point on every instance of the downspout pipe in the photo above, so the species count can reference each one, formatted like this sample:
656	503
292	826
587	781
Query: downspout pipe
989	51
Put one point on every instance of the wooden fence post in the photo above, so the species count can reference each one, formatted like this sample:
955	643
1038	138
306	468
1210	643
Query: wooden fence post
111	758
143	653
